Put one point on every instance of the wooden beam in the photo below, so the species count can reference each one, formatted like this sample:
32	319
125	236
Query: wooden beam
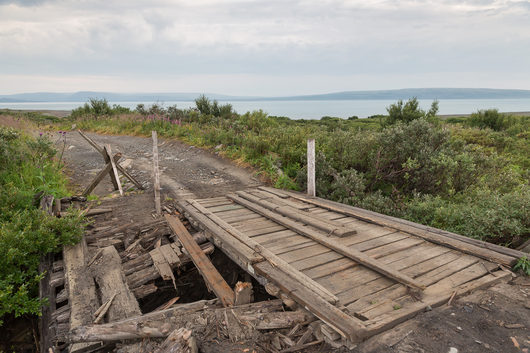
101	175
487	251
269	255
211	276
114	175
156	173
120	168
327	226
330	243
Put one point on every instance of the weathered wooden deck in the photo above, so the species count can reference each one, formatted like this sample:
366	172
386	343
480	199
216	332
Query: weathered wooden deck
300	244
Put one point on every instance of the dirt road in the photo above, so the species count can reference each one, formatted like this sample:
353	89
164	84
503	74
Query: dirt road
185	170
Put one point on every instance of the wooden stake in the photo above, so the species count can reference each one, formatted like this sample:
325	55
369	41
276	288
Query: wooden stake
120	168
114	174
311	188
156	184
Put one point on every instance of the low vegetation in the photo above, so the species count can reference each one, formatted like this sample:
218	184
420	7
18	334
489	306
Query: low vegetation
466	175
28	168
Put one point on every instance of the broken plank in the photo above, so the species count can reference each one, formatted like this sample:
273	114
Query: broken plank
169	254
333	244
161	264
114	175
210	274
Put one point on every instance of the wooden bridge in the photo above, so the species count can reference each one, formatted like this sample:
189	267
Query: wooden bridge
358	271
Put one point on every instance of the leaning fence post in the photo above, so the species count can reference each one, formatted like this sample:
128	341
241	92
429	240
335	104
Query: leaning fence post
311	190
156	184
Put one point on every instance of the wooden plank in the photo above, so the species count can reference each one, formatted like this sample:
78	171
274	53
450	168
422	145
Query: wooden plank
410	266
114	175
223	208
332	244
487	251
268	255
311	187
274	237
318	250
101	175
371	249
295	214
210	274
344	324
169	254
437	295
162	265
156	173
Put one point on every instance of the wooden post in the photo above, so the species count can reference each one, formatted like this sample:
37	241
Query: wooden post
156	184
114	172
311	189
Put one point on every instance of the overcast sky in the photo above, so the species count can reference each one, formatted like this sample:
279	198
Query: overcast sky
266	47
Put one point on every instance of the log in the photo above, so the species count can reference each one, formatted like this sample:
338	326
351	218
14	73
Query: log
211	276
332	244
268	255
111	281
162	323
482	249
179	341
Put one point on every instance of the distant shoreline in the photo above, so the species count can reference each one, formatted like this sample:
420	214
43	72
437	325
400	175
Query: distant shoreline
65	113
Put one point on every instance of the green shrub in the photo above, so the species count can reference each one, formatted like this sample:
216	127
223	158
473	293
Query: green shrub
97	108
409	111
26	233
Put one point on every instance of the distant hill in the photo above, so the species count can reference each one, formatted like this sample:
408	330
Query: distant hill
420	93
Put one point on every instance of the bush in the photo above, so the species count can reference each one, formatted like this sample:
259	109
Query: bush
409	111
26	168
490	118
97	108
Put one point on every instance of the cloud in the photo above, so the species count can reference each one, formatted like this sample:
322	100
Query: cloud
243	37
